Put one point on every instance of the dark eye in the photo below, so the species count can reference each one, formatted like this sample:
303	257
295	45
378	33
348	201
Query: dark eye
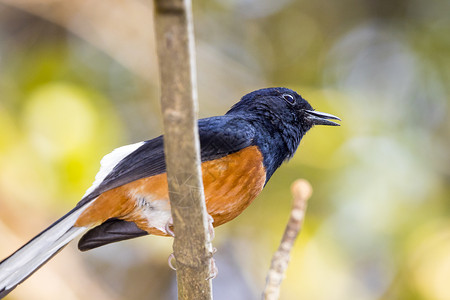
289	98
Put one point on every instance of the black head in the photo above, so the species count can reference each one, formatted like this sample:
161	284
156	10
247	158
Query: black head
282	105
282	117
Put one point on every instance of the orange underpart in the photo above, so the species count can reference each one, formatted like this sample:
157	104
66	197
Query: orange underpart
231	183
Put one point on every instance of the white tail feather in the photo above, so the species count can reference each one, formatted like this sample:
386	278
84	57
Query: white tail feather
17	267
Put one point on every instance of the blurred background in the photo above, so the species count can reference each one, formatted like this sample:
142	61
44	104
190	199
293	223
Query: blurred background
79	78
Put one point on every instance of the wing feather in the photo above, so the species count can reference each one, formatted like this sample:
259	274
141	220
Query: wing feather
219	136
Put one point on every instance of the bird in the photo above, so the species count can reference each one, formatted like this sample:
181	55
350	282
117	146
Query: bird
240	151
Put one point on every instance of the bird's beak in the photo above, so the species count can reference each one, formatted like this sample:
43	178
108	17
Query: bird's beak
320	118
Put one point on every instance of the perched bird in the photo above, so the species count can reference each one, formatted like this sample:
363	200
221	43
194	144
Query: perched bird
240	151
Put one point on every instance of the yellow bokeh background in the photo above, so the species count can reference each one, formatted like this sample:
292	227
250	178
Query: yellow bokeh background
80	78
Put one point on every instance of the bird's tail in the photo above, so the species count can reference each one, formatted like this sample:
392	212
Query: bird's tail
25	261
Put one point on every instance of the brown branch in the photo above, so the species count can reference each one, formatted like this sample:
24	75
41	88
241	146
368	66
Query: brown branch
301	191
175	49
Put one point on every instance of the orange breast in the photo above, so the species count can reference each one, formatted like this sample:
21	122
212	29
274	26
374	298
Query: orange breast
231	183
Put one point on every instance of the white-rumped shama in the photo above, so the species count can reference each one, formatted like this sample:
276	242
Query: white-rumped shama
129	198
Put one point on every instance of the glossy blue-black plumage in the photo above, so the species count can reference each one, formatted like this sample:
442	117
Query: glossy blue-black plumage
273	119
279	120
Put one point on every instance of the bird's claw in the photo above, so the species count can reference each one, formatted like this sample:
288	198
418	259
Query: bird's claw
169	261
211	232
213	270
211	228
169	230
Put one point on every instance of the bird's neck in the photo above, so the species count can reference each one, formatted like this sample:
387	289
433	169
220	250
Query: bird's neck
278	142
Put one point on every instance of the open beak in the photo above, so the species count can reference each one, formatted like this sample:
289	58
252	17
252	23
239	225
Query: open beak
320	118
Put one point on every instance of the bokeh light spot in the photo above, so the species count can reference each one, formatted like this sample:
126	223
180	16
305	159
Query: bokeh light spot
59	119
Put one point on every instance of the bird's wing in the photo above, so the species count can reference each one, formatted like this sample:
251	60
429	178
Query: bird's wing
219	136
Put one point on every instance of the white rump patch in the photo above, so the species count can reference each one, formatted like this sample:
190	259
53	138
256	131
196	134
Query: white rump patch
108	163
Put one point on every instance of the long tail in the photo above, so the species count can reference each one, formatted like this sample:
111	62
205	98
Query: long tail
25	261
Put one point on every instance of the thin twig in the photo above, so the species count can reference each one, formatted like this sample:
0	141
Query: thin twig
175	49
301	191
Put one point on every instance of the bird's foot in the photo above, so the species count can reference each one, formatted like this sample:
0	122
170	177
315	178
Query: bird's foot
169	230
169	225
213	270
211	228
169	261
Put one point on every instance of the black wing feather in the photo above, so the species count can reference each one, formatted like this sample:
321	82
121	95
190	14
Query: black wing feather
219	136
112	230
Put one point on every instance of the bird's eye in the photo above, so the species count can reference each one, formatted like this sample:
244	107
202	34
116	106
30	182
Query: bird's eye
289	99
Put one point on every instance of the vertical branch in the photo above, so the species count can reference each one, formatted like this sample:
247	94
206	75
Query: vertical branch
175	49
301	191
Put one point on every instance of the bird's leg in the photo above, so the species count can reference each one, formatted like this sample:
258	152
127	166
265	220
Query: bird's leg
171	233
211	228
213	270
168	229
